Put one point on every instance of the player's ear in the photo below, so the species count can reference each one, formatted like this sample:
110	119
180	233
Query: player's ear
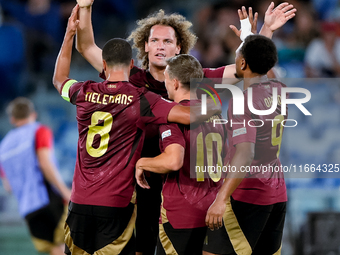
178	49
243	64
104	65
146	47
131	64
176	84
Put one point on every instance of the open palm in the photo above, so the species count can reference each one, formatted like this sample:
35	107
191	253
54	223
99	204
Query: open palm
276	18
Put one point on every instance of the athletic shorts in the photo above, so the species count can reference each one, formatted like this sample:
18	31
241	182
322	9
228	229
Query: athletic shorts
46	225
91	229
248	229
180	241
148	209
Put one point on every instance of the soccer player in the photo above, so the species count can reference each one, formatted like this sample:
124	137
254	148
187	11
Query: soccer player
249	211
158	38
187	192
28	169
111	117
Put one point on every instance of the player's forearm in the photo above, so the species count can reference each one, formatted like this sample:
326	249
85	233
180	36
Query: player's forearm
160	164
163	163
212	109
85	43
63	63
243	157
187	115
266	31
51	173
229	73
85	36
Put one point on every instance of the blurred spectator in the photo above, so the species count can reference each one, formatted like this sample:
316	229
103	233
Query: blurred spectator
216	44
11	59
41	20
323	54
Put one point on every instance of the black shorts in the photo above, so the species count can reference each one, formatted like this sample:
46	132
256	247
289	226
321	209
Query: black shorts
148	210
180	241
46	224
248	229
108	230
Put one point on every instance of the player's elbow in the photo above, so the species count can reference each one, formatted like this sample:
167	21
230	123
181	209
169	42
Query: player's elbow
56	83
175	164
80	48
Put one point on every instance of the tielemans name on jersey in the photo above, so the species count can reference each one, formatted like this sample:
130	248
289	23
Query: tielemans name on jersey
98	98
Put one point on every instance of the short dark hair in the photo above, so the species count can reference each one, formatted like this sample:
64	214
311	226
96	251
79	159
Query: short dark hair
184	68
117	51
20	108
260	53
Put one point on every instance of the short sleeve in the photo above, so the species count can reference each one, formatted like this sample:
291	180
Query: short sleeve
43	138
69	89
213	72
171	134
154	108
242	126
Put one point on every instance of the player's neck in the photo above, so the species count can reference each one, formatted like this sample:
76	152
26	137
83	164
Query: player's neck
157	73
185	95
121	74
252	78
19	123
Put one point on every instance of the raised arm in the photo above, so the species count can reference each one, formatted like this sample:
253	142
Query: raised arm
85	43
243	157
62	65
230	70
276	18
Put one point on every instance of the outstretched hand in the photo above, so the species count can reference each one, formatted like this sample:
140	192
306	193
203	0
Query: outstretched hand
242	14
276	18
140	177
85	3
73	21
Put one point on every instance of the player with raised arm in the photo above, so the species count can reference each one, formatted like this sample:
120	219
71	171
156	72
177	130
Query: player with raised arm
248	214
187	193
111	117
157	38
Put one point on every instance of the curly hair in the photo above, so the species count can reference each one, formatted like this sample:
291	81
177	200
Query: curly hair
185	38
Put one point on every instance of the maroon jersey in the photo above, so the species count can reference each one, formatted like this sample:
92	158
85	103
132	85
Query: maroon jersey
188	193
143	78
262	186
111	117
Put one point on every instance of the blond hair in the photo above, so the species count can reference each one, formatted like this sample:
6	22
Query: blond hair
185	38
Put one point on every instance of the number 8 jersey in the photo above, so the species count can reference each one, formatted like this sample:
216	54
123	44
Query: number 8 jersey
111	117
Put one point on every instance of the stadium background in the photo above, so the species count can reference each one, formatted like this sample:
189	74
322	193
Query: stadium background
31	32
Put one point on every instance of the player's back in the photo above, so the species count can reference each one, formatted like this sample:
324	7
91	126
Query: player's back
189	192
109	118
264	175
